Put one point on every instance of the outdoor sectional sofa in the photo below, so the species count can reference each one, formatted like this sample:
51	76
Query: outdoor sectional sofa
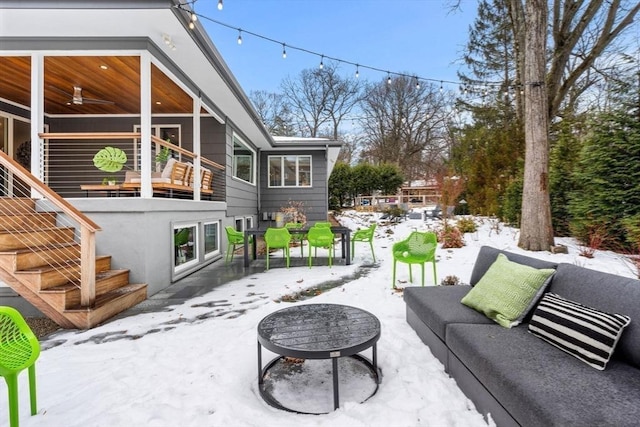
519	378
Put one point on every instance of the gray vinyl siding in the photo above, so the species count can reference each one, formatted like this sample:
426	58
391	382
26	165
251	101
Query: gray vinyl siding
315	198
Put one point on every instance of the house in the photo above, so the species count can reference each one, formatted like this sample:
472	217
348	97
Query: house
142	77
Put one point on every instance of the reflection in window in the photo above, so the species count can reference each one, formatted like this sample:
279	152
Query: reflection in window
211	241
243	161
184	242
289	171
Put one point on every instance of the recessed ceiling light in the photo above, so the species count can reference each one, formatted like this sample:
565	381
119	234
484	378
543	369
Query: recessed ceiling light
104	67
158	102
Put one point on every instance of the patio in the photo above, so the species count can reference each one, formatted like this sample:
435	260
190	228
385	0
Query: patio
207	322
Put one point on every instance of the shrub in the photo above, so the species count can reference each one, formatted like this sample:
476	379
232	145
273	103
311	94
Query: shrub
466	225
450	237
450	281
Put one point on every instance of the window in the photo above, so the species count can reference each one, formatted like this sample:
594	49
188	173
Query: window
169	133
185	244
243	161
289	171
211	238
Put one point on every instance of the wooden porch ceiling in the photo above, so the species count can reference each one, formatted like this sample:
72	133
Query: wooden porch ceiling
114	79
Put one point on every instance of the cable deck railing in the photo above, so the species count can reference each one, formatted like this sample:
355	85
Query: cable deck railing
60	241
69	168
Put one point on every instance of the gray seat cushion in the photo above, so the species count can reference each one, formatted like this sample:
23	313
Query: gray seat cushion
438	306
540	385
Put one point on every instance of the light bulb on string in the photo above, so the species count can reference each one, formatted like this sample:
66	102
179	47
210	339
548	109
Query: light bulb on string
284	51
321	62
194	17
191	25
388	78
239	36
357	71
417	83
219	4
441	88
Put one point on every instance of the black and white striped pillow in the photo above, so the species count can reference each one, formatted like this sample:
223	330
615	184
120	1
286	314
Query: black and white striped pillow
584	332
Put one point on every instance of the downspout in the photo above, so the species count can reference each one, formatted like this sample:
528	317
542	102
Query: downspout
326	185
258	185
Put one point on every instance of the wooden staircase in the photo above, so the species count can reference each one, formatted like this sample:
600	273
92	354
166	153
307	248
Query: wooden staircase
40	260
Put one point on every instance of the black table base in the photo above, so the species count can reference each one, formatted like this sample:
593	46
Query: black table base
278	368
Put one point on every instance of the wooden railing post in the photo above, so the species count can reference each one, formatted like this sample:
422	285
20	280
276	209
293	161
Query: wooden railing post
87	267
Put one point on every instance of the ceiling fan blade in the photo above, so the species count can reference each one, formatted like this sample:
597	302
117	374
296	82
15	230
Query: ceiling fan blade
60	91
97	101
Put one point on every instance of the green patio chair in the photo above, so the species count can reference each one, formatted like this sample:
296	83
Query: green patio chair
277	238
19	349
234	237
320	237
418	248
363	235
326	224
296	236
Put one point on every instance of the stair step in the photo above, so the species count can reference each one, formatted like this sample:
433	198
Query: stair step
45	256
107	306
27	220
17	205
68	294
46	277
24	239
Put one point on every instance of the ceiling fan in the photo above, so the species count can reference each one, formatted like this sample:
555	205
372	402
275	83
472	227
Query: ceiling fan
76	97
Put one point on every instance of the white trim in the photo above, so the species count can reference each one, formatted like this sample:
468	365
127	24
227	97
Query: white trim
218	251
254	160
282	168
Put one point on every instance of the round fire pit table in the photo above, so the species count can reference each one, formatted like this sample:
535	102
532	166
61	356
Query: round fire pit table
317	331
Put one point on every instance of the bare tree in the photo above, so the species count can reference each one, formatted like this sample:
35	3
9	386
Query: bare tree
320	99
581	30
405	124
273	111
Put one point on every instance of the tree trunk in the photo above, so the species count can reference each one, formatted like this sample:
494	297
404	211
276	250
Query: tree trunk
536	232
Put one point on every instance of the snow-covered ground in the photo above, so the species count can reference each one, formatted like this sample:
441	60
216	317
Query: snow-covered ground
196	365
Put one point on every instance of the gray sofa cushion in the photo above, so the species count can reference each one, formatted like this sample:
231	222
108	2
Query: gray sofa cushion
488	255
439	305
540	385
606	292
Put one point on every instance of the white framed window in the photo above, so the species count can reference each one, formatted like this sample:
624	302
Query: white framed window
289	171
211	238
169	133
244	161
243	223
185	245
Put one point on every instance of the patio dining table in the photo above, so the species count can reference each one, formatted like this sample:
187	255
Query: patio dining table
345	234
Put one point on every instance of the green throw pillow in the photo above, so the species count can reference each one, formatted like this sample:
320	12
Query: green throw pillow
507	291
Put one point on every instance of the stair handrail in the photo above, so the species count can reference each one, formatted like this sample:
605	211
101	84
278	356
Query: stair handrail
88	228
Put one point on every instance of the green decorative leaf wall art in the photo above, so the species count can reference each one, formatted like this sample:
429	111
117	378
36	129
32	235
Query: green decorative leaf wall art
110	159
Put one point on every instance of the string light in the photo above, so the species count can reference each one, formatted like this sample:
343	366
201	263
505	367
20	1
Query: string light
194	17
464	88
191	25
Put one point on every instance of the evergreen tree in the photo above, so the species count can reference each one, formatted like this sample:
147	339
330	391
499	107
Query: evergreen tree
390	177
608	181
340	186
